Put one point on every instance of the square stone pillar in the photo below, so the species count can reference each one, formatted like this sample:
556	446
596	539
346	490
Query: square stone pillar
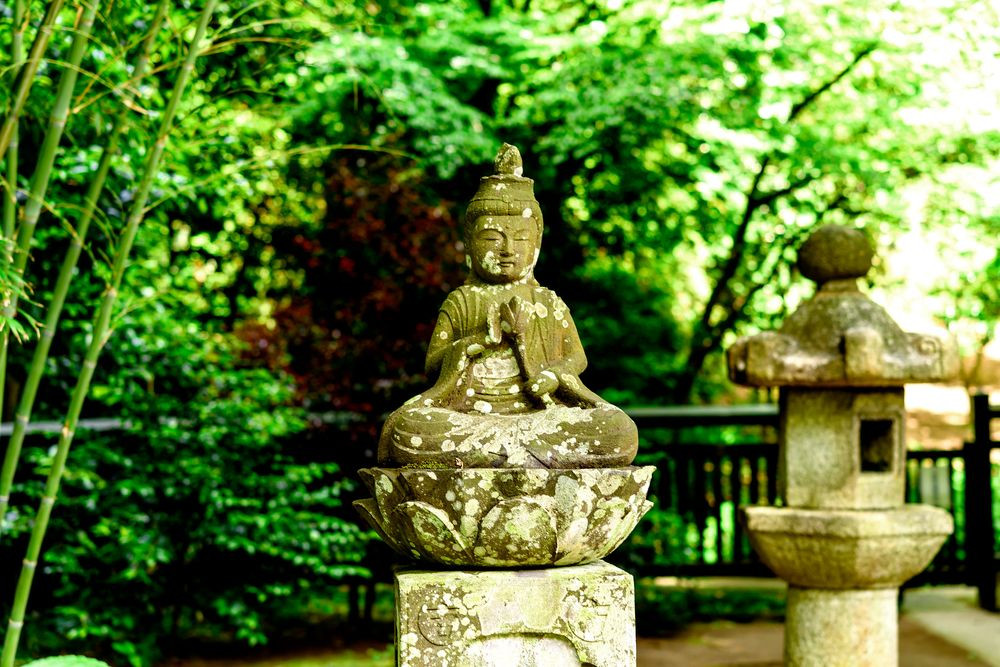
576	616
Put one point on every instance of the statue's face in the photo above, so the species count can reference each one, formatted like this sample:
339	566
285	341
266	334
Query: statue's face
503	248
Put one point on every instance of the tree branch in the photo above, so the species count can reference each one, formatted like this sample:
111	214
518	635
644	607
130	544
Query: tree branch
804	103
766	198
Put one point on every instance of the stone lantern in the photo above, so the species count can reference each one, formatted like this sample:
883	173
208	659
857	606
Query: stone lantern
844	539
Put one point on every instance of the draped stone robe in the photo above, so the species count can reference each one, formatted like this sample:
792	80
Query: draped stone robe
480	412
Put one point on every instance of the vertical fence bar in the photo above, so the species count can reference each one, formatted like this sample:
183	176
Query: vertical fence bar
715	471
736	491
771	463
979	546
698	504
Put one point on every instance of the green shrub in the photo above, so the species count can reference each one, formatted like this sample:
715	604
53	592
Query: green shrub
204	517
664	610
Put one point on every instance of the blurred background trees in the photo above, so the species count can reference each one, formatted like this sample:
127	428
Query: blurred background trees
304	230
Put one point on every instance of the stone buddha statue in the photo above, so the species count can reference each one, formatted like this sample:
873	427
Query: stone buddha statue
507	358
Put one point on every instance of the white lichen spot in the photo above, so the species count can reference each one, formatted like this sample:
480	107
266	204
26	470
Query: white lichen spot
490	263
541	310
570	381
416	440
518	171
384	485
413	400
514	389
482	406
526	213
470	392
449	496
443	335
448	446
565	324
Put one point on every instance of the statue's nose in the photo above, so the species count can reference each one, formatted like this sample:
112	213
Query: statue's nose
508	247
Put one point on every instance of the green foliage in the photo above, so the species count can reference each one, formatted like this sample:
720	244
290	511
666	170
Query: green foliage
632	349
205	517
663	610
67	661
691	146
14	285
661	539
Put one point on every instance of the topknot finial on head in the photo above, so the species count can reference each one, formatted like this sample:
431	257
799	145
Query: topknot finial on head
508	161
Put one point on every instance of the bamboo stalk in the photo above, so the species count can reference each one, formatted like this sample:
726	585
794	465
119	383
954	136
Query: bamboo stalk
10	189
55	305
98	339
27	74
10	197
33	207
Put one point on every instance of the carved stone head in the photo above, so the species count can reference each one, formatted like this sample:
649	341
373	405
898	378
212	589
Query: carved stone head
503	223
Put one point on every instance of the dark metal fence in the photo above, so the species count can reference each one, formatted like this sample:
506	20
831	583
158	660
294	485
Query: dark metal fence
713	460
982	503
705	483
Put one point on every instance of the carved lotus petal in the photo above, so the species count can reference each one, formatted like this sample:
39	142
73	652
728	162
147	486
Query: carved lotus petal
518	531
430	530
368	509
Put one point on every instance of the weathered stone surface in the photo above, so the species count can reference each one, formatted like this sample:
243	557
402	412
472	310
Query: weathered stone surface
485	517
842	449
841	628
507	358
847	549
555	617
835	252
840	337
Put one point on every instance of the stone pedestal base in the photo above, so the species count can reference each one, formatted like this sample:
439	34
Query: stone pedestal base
578	616
841	628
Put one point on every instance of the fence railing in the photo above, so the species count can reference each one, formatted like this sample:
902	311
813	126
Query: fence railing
713	460
706	482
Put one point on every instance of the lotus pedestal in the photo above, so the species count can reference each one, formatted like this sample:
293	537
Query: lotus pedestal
554	603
